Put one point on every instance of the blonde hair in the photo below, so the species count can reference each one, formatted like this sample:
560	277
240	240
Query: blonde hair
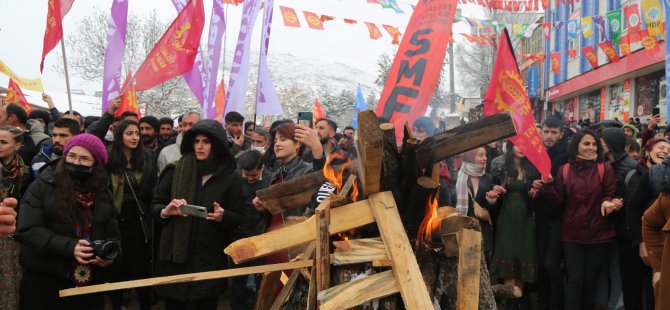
470	155
17	133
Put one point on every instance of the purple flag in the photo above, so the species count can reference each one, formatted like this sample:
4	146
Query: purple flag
239	74
114	50
217	27
267	101
559	25
195	79
600	24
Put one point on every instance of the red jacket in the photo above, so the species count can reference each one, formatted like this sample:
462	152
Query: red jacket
582	195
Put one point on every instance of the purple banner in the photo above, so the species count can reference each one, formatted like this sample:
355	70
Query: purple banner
267	101
239	74
600	24
114	50
217	27
195	79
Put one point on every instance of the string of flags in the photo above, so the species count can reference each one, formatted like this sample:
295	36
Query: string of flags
512	5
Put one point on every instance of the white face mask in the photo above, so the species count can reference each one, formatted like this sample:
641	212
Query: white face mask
259	148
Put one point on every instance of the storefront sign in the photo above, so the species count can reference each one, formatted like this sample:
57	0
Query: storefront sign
532	82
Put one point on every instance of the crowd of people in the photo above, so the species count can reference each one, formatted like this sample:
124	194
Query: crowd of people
108	199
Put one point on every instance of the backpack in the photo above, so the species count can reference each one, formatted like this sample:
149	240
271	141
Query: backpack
601	172
629	175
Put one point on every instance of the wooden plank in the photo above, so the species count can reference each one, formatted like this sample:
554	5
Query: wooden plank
370	147
382	263
190	277
407	273
465	137
347	185
311	293
268	289
288	286
356	292
322	214
343	218
358	251
469	259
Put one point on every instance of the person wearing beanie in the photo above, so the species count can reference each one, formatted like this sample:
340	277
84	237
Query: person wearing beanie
423	128
614	146
63	212
204	176
149	128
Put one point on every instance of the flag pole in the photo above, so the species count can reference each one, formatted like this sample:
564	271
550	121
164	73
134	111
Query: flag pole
67	77
258	72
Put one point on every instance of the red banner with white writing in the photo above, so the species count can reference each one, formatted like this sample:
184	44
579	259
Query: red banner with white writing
416	67
507	92
129	101
53	31
175	51
15	95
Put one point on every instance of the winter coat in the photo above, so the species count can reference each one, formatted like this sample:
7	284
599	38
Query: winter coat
47	241
656	234
208	238
169	154
583	194
45	156
622	164
254	223
636	202
36	132
291	170
485	184
100	127
559	156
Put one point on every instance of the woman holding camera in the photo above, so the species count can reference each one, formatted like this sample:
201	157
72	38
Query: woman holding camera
68	228
133	174
203	177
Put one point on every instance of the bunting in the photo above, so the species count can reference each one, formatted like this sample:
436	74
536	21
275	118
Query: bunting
573	28
649	41
586	26
599	23
15	95
313	20
572	53
632	13
546	30
653	16
539	57
53	32
614	19
374	31
556	62
624	45
609	51
591	56
290	18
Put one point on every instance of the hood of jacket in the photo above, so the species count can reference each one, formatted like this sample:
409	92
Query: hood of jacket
634	129
217	135
616	141
36	131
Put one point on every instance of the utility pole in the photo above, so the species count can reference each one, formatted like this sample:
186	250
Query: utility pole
452	91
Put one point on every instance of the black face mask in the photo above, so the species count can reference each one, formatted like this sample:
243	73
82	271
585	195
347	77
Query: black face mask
79	172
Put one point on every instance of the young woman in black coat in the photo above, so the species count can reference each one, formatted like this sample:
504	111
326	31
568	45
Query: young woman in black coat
62	213
204	176
133	174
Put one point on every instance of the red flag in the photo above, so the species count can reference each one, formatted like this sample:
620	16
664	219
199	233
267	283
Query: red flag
313	20
373	1
290	18
609	50
15	95
53	31
350	21
220	102
317	112
545	4
590	55
572	53
324	18
129	100
175	51
417	64
650	43
375	33
546	30
632	13
393	31
556	62
507	92
624	45
470	38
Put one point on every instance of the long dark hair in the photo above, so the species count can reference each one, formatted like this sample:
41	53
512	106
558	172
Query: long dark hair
573	148
117	161
510	168
67	187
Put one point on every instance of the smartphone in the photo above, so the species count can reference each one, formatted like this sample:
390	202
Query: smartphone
305	119
192	210
655	111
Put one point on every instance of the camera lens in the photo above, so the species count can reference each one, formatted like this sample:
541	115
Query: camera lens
109	250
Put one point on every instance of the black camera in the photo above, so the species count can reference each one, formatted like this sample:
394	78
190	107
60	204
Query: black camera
106	249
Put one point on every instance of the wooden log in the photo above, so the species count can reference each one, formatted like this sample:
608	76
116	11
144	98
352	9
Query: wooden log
415	206
469	258
407	274
267	290
288	286
391	166
466	137
182	278
449	227
356	292
342	219
370	146
322	214
294	193
358	251
347	185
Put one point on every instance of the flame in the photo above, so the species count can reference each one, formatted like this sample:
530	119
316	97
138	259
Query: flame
331	174
426	227
354	191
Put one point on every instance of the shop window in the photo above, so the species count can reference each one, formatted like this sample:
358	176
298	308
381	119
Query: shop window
589	106
647	93
616	103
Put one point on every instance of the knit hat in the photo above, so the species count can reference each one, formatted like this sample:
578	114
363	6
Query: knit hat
426	124
151	120
92	144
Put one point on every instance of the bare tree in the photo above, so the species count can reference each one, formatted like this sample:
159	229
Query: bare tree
475	62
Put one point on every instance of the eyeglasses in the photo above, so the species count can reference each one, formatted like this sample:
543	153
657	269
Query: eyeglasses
84	160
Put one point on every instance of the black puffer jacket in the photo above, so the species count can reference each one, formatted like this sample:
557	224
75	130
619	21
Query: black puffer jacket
47	241
559	156
622	164
208	238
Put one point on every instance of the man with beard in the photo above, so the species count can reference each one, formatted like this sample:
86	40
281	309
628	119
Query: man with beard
238	142
326	129
166	134
149	128
64	129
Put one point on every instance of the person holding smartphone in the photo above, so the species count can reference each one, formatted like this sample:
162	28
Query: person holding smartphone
204	176
652	126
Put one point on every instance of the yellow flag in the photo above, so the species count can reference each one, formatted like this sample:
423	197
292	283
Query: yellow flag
30	84
653	15
587	26
516	29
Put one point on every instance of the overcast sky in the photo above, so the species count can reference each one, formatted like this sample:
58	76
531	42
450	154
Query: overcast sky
22	32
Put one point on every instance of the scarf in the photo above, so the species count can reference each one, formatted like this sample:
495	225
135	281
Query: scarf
467	170
118	186
175	237
585	158
12	175
153	145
